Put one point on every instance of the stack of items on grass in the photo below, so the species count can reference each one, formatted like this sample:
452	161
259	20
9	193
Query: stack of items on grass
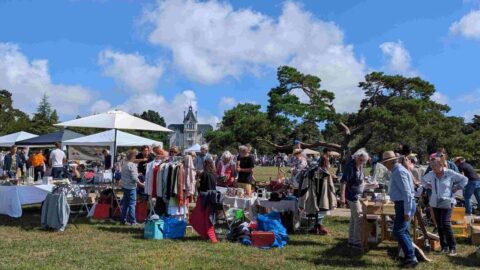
267	232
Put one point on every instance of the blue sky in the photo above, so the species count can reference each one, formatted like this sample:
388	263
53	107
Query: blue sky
90	56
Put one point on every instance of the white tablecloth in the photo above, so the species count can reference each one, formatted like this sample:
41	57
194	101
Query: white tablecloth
13	197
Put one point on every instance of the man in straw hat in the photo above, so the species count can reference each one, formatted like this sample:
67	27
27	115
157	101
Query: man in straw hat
402	194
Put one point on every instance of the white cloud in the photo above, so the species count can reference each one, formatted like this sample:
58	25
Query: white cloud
227	103
471	98
468	26
397	58
210	41
130	71
172	111
440	98
28	80
100	106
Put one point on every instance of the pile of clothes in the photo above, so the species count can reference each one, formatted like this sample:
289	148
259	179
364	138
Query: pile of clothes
240	232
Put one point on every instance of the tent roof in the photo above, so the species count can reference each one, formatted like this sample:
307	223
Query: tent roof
114	119
107	138
51	138
11	139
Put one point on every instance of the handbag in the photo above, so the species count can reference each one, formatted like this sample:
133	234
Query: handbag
443	203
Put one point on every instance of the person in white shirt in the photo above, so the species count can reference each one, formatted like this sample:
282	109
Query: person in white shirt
57	161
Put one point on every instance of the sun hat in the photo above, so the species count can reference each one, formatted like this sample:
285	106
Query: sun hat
388	156
297	151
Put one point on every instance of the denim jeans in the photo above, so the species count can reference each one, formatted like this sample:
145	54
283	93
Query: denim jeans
57	172
401	230
472	188
129	202
443	217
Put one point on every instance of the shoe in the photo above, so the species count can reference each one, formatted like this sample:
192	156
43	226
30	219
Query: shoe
354	246
321	230
135	224
452	253
445	250
410	264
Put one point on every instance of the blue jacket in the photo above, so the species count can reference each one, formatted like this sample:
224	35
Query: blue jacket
7	161
401	189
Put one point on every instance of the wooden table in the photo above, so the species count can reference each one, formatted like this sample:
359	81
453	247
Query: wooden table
377	209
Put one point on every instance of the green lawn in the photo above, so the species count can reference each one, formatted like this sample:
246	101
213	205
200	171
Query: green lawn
107	245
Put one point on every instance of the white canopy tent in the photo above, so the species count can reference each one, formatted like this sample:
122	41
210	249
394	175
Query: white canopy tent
194	148
114	120
11	139
107	138
310	152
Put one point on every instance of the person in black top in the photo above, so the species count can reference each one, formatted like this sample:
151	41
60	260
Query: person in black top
245	165
107	159
208	178
473	186
143	158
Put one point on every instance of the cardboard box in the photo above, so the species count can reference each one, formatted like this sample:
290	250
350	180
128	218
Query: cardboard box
475	234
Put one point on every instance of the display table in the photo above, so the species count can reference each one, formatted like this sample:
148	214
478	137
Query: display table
13	197
374	210
242	203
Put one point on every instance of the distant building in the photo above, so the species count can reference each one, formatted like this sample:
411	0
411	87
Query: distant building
190	132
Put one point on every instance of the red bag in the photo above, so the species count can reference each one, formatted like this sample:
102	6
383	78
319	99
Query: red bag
102	211
141	211
263	239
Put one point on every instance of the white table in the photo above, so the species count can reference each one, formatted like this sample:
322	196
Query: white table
13	197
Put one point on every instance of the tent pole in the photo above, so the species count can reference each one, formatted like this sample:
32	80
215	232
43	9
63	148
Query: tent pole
114	154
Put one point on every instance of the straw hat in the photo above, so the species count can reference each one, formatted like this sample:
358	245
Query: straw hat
388	156
460	158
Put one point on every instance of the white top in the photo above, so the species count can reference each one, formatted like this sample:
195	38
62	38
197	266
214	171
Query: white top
57	156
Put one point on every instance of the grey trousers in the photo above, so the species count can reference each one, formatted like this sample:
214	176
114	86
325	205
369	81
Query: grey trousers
355	225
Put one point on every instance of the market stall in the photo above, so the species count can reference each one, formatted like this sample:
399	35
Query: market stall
49	140
11	139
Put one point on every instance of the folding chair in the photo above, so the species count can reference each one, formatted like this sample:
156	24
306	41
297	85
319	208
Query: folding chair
459	222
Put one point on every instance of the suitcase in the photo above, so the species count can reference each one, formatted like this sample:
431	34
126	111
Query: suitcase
263	239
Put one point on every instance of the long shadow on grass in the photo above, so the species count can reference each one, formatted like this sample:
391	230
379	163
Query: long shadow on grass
471	260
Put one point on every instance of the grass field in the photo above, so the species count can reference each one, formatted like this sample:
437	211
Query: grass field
109	245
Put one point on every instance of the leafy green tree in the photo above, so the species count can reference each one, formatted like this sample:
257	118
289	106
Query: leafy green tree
45	117
398	110
241	125
284	99
307	132
11	119
154	117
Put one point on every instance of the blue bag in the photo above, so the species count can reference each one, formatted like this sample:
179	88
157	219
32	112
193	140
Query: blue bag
164	228
272	222
154	229
173	228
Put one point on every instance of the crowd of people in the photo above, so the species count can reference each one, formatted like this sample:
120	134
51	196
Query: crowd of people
439	182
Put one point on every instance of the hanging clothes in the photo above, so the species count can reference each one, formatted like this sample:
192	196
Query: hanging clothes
317	191
190	176
150	179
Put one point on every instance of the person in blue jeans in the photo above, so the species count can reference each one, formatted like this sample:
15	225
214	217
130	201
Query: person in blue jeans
473	185
130	182
402	194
